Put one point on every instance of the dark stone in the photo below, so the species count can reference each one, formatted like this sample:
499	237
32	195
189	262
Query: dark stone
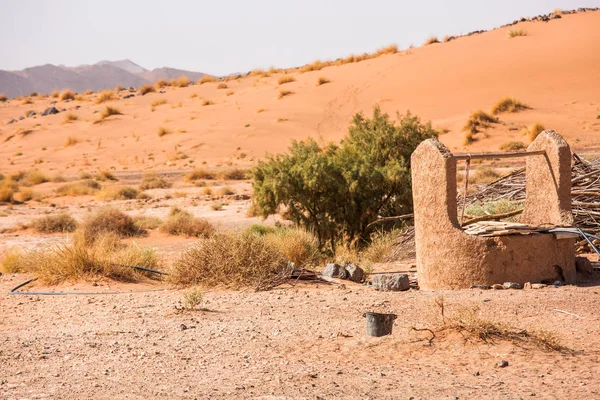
30	114
355	273
511	285
50	111
583	265
335	271
502	364
12	121
127	96
391	282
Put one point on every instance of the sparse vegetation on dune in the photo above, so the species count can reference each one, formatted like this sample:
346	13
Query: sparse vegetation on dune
391	49
322	80
108	221
200	174
234	174
147	89
161	83
71	141
28	178
26	101
207	103
315	66
222	85
512	146
55	94
117	193
67	95
144	222
104	176
431	40
159	102
182	81
60	223
478	119
284	93
109	111
152	180
182	223
516	32
162	131
81	188
207	79
533	131
105	96
70	117
285	79
508	104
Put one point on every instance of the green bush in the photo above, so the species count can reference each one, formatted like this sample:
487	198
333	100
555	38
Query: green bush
335	191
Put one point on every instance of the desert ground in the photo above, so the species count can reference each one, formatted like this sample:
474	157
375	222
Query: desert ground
302	339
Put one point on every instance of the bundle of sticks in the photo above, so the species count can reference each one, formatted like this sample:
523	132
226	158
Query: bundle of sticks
585	191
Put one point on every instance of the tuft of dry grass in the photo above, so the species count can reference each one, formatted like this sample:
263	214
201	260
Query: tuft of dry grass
222	85
117	193
28	178
234	259
70	117
285	79
159	102
161	83
431	40
104	176
71	141
147	89
199	174
229	93
478	119
297	246
108	221
234	174
3	98
192	299
516	32
55	94
533	131
81	188
512	146
182	223
105	96
152	180
508	104
226	191
391	49
60	223
182	81
106	257
108	111
144	222
322	80
162	131
315	66
207	79
67	95
383	247
284	93
207	103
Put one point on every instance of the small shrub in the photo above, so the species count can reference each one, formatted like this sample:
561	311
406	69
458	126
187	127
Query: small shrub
234	174
55	94
478	119
315	66
469	138
533	131
82	188
147	89
55	223
207	79
3	98
108	111
322	80
199	174
144	222
516	32
67	95
283	93
182	223
512	146
285	79
229	93
391	49
70	117
297	246
192	298
31	178
163	131
11	262
431	40
159	102
508	104
182	81
207	103
226	191
217	206
104	176
383	247
260	229
222	85
117	193
108	220
71	141
105	96
27	101
152	180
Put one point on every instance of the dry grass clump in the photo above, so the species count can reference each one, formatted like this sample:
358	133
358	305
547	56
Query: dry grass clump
315	66
508	104
108	220
104	176
199	174
147	89
484	174
226	191
144	222
3	98
70	117
182	81
533	131
283	93
234	259
382	247
105	96
55	94
222	85
29	178
234	174
71	141
152	180
478	119
207	79
512	146
516	32
10	262
182	223
27	100
81	188
285	79
161	83
159	102
431	40
322	80
106	257
117	193
207	103
297	246
391	49
55	223
108	111
67	95
162	131
192	299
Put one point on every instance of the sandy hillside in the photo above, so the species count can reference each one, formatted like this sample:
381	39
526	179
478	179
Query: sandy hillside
554	69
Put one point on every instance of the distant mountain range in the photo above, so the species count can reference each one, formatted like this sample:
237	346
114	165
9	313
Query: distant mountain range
99	76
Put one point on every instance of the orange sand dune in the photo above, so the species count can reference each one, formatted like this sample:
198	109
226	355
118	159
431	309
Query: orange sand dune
555	69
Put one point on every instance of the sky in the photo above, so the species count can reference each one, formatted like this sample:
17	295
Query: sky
226	36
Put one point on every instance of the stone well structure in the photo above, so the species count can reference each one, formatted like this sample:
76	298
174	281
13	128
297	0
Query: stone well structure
448	258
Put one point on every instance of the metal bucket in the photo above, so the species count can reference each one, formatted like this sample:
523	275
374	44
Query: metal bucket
379	324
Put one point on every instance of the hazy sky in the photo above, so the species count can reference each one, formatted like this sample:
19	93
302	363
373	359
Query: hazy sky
224	36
